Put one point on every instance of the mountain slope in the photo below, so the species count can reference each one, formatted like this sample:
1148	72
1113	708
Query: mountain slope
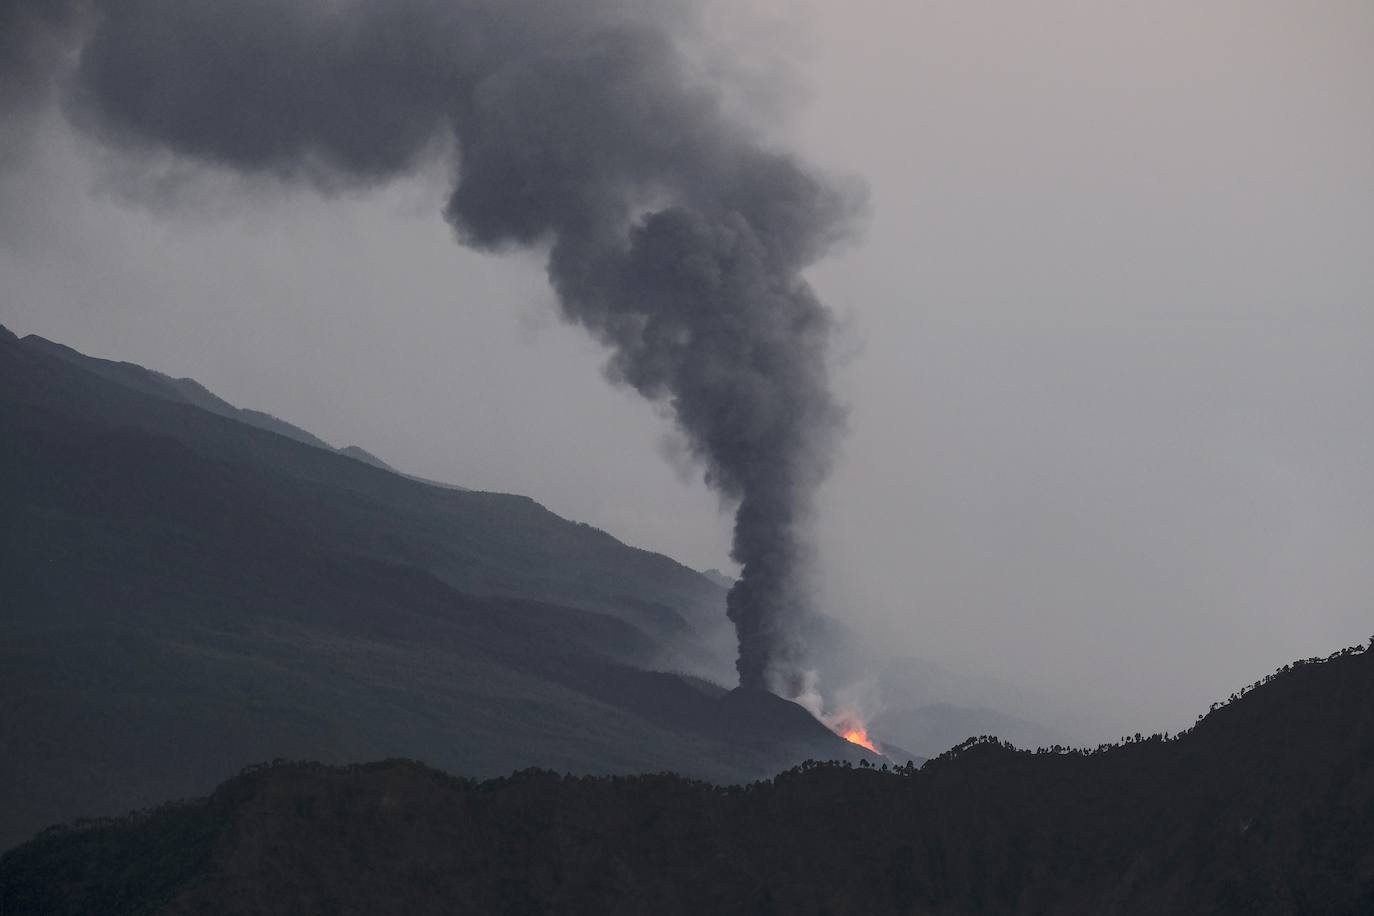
187	594
485	543
1266	807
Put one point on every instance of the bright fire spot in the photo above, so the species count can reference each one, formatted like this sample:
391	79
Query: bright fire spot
857	734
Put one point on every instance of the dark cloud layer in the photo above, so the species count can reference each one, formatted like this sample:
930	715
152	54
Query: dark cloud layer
674	235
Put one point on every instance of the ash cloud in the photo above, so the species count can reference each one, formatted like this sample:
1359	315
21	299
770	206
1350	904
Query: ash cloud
674	235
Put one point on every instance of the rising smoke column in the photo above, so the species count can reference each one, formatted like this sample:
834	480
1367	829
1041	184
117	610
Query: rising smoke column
675	237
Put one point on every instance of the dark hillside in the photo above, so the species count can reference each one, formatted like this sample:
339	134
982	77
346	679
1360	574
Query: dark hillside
1266	807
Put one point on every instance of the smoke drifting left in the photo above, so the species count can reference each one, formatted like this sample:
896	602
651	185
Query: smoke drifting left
674	236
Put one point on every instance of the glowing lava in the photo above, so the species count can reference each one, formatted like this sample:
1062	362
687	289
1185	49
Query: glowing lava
857	734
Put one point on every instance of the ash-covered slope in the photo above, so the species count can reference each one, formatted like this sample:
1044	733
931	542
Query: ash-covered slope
1266	807
185	593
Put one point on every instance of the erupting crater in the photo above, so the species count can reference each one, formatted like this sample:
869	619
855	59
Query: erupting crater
855	732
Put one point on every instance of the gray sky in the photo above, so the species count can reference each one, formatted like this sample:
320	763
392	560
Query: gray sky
1108	348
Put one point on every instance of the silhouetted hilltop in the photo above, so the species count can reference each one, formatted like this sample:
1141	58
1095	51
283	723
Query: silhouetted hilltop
1265	807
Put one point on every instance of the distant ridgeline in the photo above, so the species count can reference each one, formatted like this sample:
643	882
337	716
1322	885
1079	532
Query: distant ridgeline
1266	806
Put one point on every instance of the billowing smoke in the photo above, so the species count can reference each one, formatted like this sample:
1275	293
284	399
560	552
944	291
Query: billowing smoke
674	235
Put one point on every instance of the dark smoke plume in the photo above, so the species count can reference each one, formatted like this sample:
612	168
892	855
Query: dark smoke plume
674	235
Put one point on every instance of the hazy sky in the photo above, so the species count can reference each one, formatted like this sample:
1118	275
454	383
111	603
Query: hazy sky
1108	349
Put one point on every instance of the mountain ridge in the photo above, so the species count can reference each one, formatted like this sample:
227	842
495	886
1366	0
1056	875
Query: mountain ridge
174	421
187	390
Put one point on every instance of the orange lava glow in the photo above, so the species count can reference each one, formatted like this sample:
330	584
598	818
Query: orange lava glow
857	734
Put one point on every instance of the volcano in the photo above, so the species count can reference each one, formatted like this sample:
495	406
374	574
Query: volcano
300	602
750	717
